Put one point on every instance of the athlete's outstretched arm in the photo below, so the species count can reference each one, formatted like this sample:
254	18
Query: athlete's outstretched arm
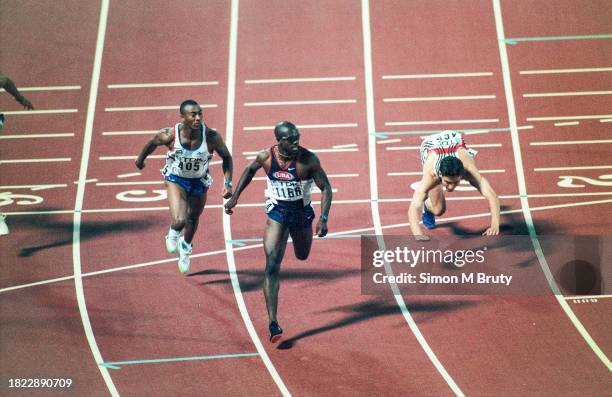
416	205
246	177
485	188
11	88
162	137
228	163
320	179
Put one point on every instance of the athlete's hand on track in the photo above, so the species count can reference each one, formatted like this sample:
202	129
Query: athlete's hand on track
140	165
231	203
321	229
226	192
422	237
492	231
25	103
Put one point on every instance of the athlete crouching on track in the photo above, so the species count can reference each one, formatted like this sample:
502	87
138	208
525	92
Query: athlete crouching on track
446	161
291	170
191	145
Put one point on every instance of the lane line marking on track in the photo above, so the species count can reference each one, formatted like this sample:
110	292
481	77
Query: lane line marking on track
420	173
300	80
312	150
439	98
46	111
312	102
516	40
48	88
247	247
463	131
583	117
108	158
576	93
473	121
577	297
505	64
49	160
605	121
35	187
129	175
80	196
33	136
436	75
552	143
567	123
138	108
157	85
559	71
303	126
344	146
371	123
130	183
227	226
584	167
146	132
118	364
477	145
264	178
387	141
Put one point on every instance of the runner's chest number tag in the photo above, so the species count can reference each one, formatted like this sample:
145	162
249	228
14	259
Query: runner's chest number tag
287	190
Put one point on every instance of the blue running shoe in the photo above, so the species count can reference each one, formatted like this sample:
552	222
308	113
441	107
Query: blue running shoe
429	219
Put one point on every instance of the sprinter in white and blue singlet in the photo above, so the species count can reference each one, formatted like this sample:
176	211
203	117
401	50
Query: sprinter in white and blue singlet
191	145
446	161
291	171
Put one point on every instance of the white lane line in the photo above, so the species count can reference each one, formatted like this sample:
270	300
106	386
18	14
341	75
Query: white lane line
227	227
523	189
391	123
585	142
344	146
576	93
419	173
435	76
34	187
299	80
370	115
129	175
567	123
584	167
558	71
313	102
579	117
138	108
387	141
303	126
156	85
49	88
107	158
605	121
32	136
133	183
49	160
264	178
579	297
80	195
477	145
46	111
439	98
313	150
145	132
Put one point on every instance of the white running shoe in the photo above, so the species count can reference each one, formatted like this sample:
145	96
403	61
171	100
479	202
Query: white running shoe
3	226
171	243
184	250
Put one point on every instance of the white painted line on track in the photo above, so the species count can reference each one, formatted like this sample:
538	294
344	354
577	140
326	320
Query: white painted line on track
440	98
474	121
264	178
370	116
435	76
523	188
605	121
579	117
35	187
304	126
157	85
314	151
46	111
109	158
586	142
138	108
583	167
313	102
477	145
420	173
80	195
33	136
387	141
133	183
576	93
558	71
567	123
579	297
48	88
344	146
299	80
131	174
145	132
49	160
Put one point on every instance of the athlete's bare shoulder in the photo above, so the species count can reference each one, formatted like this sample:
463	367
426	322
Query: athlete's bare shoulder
306	156
165	136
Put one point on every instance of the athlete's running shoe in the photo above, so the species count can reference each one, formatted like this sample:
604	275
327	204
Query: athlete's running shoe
184	250
172	243
276	332
429	219
3	227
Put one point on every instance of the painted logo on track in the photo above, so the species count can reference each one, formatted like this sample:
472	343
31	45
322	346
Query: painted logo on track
283	175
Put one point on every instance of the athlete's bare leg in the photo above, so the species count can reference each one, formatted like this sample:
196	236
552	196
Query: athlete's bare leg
195	206
177	200
302	242
275	242
436	203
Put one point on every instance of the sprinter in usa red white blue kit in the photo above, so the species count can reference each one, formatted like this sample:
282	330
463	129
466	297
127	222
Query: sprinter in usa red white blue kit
191	145
291	171
446	161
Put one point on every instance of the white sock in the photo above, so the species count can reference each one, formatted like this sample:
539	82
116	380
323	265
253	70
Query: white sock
173	233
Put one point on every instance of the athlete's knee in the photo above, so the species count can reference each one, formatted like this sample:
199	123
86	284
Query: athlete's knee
302	253
272	269
178	222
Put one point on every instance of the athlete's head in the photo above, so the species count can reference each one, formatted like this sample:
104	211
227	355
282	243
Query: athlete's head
288	137
191	113
451	172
